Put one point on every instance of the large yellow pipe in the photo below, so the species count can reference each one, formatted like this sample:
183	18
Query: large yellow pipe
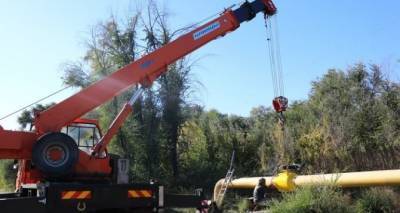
287	181
352	179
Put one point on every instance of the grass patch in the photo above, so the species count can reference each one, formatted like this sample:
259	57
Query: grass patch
378	200
313	199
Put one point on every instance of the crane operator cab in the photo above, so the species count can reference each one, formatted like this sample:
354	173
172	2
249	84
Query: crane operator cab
85	133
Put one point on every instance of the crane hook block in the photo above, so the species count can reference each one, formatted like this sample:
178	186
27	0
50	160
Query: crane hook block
280	104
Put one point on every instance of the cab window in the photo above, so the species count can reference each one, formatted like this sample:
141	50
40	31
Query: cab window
85	135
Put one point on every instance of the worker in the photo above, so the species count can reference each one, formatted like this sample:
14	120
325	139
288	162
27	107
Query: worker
259	194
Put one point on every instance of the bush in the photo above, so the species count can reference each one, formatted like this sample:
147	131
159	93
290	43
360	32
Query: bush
377	200
7	175
313	199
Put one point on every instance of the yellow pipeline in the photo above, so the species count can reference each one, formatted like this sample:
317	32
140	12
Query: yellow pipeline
287	180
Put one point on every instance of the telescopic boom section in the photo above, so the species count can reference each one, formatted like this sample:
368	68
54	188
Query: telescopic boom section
148	68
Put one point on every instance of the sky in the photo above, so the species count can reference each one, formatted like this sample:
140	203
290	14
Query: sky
37	37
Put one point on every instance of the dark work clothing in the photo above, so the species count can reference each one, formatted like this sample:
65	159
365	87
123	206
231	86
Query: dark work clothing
259	193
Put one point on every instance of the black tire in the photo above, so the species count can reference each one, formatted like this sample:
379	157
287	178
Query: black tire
58	164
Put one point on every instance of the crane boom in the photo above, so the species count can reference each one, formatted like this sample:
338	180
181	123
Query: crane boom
148	68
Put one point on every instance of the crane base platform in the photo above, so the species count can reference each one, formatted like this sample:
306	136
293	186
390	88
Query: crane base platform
79	197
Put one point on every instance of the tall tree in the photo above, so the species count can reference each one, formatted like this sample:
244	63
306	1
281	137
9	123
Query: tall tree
158	117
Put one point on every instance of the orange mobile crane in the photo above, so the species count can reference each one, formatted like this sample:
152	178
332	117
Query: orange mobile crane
63	164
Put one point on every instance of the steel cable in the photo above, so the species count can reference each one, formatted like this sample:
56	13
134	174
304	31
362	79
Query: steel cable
36	102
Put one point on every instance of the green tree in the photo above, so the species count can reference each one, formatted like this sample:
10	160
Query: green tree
27	116
158	116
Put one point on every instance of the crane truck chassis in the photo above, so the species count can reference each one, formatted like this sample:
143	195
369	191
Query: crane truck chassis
85	196
63	163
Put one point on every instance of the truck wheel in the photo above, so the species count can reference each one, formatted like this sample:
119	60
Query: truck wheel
55	154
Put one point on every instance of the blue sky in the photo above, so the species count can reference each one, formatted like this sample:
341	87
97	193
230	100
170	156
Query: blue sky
36	37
